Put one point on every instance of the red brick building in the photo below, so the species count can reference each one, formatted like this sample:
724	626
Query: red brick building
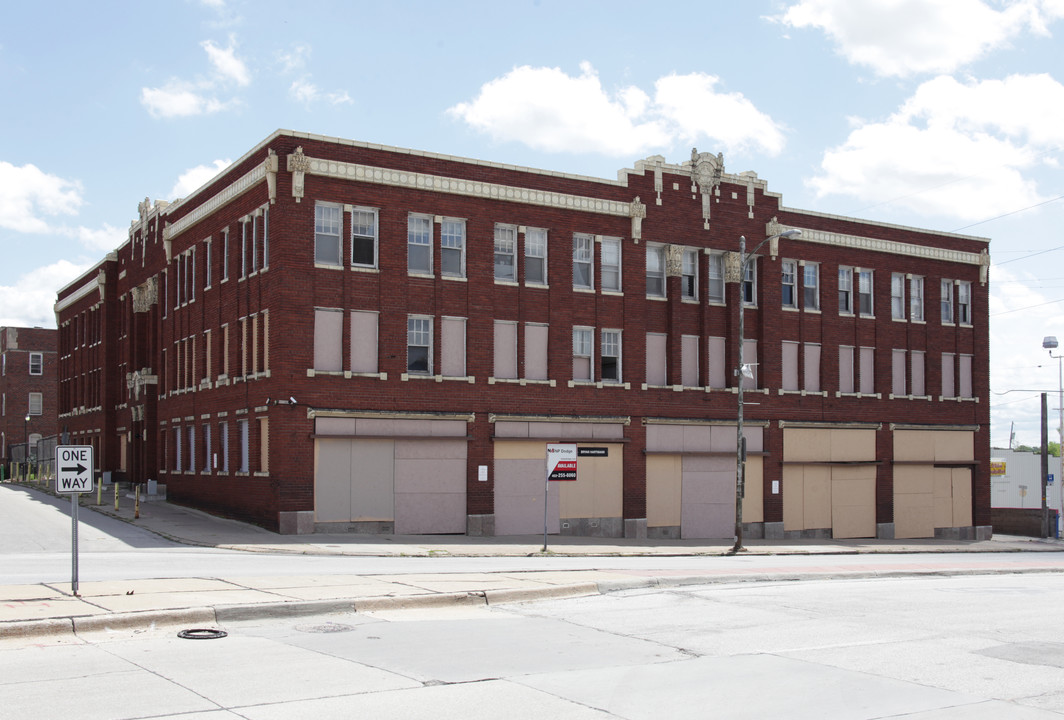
28	365
338	335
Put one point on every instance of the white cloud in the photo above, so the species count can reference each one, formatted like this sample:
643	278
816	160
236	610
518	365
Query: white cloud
905	37
27	193
306	92
31	300
181	98
549	110
294	60
194	178
226	64
954	149
178	99
102	239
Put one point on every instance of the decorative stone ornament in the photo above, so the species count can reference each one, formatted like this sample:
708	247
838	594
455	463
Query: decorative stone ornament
733	271
637	211
673	260
271	164
298	165
145	295
706	172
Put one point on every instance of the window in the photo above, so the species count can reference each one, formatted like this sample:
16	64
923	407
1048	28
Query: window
812	367
964	304
716	278
453	347
655	271
225	254
897	298
610	358
191	466
364	237
916	367
245	445
536	256
916	299
811	286
582	349
790	365
611	264
264	444
897	368
846	291
948	375
536	335
419	244
192	275
36	403
656	351
506	252
583	258
789	294
244	246
717	363
750	284
749	376
864	293
964	368
363	341
177	449
265	237
206	447
946	292
689	284
328	340
255	242
223	442
36	363
419	345
868	378
207	269
326	236
505	350
452	242
845	369
689	361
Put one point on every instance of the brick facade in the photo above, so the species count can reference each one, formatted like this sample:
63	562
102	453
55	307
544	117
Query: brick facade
423	398
29	363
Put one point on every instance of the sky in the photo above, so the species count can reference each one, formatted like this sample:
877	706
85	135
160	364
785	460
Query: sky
939	114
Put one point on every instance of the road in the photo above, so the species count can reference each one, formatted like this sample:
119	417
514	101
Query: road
959	647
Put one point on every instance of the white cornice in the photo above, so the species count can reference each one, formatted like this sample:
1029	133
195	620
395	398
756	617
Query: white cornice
469	188
81	292
893	247
232	191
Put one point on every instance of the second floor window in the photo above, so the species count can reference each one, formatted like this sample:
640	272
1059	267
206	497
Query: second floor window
419	345
611	264
789	295
364	237
811	286
326	235
505	252
582	260
36	363
452	244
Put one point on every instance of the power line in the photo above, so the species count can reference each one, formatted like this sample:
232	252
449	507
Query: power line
998	217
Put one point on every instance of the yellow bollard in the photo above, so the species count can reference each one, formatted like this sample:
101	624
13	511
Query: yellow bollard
136	503
99	492
116	497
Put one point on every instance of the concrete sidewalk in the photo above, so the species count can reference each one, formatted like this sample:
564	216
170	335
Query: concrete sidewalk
49	612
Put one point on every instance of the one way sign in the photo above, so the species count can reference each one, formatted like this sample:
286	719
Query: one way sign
73	468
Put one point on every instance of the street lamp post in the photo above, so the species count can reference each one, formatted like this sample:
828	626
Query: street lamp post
26	431
740	372
1050	344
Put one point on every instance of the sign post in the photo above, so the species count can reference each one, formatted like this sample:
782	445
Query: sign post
561	466
73	475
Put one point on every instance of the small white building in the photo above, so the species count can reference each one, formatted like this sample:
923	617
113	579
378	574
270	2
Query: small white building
1016	480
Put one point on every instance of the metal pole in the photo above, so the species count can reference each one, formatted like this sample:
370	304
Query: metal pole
1060	429
740	460
74	502
546	486
1045	466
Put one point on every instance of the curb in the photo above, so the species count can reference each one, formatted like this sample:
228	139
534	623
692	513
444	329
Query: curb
219	615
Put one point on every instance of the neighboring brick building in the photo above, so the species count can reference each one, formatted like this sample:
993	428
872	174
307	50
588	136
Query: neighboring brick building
27	386
338	335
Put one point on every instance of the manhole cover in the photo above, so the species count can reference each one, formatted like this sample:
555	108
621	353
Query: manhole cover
325	628
202	634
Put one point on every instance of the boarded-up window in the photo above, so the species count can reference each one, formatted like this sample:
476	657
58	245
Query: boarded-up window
964	367
689	360
328	330
656	362
812	367
897	372
264	444
363	341
790	365
916	359
868	378
505	349
535	351
717	375
453	345
947	375
845	368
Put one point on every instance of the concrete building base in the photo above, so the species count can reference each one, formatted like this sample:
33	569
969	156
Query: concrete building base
885	531
593	527
635	528
812	534
984	532
369	527
297	522
480	525
664	532
753	531
773	530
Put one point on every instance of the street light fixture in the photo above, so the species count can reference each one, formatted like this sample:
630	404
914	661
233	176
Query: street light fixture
741	372
1050	344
